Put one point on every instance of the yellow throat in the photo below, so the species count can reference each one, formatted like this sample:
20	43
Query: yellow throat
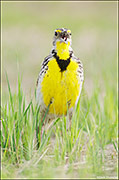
62	50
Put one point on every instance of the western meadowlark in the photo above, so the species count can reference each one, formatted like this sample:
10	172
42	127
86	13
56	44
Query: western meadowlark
60	79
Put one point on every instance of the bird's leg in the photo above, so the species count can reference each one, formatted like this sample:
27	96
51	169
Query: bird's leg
42	126
69	120
42	130
39	130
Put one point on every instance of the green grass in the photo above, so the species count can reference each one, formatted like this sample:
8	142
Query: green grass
94	126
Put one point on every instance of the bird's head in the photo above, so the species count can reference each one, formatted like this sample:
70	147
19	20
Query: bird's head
62	35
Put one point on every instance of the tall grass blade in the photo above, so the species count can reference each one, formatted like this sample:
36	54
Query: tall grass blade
11	99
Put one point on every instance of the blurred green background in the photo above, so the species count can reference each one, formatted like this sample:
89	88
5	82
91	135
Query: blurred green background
28	29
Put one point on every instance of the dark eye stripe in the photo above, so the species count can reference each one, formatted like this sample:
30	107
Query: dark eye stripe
55	33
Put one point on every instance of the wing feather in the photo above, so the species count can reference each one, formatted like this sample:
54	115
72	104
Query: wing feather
44	68
80	74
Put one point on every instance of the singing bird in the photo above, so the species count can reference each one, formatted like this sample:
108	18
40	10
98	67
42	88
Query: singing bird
60	79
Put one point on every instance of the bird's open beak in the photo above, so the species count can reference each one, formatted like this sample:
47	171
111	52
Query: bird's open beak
64	38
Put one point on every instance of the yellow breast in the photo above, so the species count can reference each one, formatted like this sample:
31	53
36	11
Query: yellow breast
62	88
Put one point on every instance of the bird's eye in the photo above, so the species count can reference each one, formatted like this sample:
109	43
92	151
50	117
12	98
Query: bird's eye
55	33
70	34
